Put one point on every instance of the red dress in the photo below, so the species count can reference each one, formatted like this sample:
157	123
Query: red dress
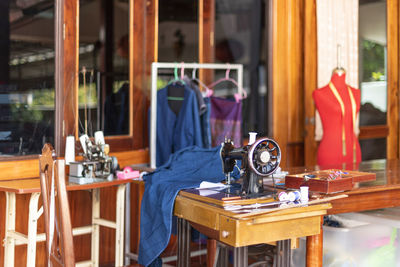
339	143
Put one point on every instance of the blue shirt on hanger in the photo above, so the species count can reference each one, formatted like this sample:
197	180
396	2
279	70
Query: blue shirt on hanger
176	131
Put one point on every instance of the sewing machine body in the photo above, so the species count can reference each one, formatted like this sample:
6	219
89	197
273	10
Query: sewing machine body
258	160
96	166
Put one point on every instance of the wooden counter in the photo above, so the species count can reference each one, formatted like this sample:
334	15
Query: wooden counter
382	193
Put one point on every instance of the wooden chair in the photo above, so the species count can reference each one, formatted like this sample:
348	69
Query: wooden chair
60	252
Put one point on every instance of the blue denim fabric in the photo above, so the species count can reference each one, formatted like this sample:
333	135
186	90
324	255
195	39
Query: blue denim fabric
186	168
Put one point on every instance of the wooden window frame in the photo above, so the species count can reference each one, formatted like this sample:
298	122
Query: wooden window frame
67	68
141	55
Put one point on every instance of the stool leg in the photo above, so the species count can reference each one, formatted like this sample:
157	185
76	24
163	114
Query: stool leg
240	257
95	227
9	242
183	243
32	229
127	224
119	223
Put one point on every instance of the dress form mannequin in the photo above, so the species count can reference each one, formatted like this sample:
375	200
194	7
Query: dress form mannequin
338	105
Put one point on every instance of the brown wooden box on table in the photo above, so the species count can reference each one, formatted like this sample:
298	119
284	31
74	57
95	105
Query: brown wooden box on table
320	181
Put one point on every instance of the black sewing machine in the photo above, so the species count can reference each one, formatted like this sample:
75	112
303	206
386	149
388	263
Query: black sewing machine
259	159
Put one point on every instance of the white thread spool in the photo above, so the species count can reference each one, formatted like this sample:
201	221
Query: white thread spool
283	196
294	196
304	194
99	138
252	137
83	139
70	149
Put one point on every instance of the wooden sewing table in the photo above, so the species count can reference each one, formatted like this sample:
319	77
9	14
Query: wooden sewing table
239	230
32	187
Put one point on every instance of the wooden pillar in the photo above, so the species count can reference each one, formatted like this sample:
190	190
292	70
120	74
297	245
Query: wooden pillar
4	41
310	80
280	79
206	38
287	80
143	51
66	71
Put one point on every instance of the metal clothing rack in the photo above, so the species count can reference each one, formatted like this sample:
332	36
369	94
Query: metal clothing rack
155	66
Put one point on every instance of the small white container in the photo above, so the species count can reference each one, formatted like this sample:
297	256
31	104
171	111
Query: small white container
70	149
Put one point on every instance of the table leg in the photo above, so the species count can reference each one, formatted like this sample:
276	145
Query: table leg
119	223
32	229
240	256
95	227
183	242
314	249
211	252
283	253
127	224
8	242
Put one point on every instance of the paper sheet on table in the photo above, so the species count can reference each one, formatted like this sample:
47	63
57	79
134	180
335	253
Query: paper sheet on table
208	188
205	184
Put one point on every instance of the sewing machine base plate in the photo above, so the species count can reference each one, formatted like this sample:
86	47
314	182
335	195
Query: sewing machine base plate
228	196
84	180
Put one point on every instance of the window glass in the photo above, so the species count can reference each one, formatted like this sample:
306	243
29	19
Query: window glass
241	37
178	31
373	69
373	148
104	67
178	36
26	76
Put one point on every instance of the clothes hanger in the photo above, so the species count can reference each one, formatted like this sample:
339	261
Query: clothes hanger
238	96
176	78
207	92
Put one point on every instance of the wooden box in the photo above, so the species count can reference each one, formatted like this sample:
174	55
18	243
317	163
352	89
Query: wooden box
320	181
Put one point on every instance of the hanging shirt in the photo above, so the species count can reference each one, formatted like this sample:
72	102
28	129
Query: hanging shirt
176	131
116	112
199	96
225	120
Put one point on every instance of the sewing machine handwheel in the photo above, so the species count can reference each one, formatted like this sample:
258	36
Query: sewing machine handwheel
264	156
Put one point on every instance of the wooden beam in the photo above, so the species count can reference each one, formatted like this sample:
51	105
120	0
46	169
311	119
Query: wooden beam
280	84
310	80
393	78
66	71
371	132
